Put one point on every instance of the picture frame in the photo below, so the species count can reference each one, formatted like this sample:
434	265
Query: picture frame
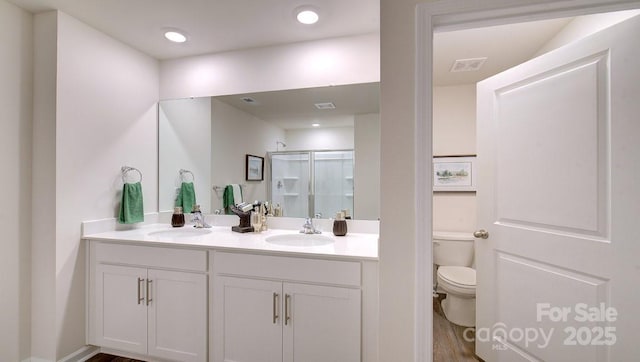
254	168
454	173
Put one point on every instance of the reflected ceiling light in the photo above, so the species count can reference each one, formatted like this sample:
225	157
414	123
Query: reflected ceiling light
307	16
175	36
315	125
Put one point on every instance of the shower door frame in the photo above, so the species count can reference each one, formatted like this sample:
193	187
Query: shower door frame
312	182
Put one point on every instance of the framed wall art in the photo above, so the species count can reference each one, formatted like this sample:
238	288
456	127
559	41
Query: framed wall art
255	168
454	173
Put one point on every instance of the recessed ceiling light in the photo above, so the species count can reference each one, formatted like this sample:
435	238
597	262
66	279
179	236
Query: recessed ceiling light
315	125
307	16
175	36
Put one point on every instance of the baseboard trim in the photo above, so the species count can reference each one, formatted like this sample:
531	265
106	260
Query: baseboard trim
80	355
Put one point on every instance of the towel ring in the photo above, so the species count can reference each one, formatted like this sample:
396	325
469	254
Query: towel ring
183	172
126	169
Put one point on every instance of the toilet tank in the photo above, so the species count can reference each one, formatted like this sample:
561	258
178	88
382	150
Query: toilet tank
452	248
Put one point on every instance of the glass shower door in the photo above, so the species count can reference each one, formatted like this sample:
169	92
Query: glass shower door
290	178
333	182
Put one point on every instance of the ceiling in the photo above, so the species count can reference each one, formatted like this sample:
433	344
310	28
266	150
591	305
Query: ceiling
225	25
214	25
504	46
295	108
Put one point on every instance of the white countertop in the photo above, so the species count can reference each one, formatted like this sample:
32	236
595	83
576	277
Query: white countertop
352	246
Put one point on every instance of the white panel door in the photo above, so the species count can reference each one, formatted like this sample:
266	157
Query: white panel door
177	307
559	164
247	321
321	323
121	313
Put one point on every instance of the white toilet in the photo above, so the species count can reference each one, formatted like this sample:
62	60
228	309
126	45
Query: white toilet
453	256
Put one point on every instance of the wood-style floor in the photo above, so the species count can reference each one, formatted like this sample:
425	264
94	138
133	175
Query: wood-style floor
103	357
449	344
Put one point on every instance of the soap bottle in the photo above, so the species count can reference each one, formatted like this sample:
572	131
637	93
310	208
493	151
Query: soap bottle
177	220
263	218
256	221
340	225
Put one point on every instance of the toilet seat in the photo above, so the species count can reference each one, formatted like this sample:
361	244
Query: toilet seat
458	279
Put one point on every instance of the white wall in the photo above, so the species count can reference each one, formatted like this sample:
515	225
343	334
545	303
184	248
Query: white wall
321	138
105	117
336	61
234	134
184	127
397	235
454	120
16	91
367	167
454	133
43	244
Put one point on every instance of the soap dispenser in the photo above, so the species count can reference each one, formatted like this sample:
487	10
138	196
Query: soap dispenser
340	225
177	219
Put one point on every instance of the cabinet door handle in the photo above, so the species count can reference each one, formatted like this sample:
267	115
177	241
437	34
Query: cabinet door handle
287	312
276	296
149	300
140	297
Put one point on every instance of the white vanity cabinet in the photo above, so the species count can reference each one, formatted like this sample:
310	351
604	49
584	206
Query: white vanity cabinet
148	300
273	308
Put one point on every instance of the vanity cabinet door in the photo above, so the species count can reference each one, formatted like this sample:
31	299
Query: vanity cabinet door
121	312
177	310
247	320
321	323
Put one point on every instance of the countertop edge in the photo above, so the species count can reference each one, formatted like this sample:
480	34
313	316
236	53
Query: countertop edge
99	237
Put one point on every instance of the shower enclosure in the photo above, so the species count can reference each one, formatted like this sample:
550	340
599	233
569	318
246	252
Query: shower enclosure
307	183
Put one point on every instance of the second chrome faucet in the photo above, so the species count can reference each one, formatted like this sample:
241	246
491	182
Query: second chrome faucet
308	227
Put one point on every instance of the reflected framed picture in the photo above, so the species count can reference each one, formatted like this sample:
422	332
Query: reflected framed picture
454	173
255	168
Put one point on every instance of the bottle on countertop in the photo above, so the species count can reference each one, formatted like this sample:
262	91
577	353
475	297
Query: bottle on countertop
256	221
340	225
177	219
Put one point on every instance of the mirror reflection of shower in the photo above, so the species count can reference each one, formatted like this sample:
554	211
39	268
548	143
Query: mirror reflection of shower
306	183
280	143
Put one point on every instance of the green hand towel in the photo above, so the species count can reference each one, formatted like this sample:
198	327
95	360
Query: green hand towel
228	199
131	207
186	197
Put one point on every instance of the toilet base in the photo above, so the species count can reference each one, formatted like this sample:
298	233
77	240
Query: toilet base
460	311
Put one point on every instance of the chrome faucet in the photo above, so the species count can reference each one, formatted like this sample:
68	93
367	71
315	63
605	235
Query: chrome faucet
198	219
308	228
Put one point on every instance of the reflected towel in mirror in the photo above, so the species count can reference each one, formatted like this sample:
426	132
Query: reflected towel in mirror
186	197
231	197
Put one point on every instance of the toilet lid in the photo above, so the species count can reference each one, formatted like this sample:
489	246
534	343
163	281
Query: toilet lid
460	275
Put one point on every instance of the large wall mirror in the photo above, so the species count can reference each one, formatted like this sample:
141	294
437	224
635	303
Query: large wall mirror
337	126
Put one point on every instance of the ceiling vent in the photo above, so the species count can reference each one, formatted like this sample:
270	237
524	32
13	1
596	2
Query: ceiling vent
467	65
249	100
326	105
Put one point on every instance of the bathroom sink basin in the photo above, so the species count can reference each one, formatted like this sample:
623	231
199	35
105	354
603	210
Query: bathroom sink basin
186	232
299	240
